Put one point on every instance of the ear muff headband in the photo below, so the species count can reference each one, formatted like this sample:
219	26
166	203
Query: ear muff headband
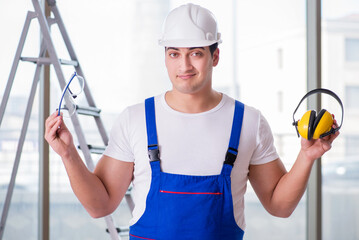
321	114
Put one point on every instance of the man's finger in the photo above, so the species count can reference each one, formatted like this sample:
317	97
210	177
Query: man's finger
52	116
52	131
50	123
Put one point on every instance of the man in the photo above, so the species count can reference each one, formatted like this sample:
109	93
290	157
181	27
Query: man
188	152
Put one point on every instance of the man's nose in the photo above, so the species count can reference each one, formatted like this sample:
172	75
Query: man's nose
186	63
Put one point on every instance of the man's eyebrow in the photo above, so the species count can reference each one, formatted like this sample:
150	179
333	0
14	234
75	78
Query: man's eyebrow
177	49
169	48
196	48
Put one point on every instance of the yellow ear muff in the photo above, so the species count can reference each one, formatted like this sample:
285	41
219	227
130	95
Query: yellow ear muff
322	124
305	124
312	126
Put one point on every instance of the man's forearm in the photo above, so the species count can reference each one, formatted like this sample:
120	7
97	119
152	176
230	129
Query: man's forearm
88	188
291	187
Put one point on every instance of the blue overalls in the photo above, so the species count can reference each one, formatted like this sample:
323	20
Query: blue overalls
184	206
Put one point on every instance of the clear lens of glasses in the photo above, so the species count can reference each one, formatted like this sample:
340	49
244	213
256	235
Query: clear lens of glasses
71	91
76	86
68	106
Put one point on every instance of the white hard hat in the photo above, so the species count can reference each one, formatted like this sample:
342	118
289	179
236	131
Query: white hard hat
190	26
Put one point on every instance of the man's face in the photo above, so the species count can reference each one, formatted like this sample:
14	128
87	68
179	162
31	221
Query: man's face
190	69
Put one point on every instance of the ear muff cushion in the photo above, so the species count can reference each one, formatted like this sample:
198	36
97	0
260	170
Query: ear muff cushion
318	118
322	124
313	115
305	124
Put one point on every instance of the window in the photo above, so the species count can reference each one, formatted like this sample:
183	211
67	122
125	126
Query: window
352	97
280	58
22	216
352	49
351	146
340	191
274	84
114	42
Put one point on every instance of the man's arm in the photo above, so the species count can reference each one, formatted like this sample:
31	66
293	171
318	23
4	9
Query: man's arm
280	191
99	192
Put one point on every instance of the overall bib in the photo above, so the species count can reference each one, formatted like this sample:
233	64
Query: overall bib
185	206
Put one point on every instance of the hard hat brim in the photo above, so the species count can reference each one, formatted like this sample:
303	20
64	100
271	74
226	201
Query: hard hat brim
186	43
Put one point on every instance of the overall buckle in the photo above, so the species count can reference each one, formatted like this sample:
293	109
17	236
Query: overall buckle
231	156
153	153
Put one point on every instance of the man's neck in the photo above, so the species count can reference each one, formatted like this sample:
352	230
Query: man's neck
193	103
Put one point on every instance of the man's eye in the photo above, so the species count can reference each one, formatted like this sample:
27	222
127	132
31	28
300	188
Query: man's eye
173	54
197	54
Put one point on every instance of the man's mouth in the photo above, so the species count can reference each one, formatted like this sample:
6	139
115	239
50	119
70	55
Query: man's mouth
186	76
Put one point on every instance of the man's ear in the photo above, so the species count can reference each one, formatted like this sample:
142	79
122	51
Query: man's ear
215	57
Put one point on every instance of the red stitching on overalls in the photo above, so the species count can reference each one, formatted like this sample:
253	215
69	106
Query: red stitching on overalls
141	237
210	193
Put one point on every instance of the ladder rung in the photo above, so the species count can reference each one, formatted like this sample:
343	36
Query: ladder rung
44	60
69	62
128	192
120	230
89	111
29	59
95	149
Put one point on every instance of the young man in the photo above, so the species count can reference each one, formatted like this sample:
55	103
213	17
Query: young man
188	152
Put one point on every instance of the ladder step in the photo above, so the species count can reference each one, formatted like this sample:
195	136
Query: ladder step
129	189
94	149
69	62
47	61
120	230
89	111
29	59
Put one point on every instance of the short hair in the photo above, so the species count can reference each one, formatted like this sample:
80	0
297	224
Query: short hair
213	48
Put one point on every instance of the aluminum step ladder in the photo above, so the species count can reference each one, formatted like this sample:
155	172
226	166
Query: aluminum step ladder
47	46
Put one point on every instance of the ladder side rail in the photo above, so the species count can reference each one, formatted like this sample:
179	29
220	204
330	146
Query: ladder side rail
91	103
78	68
87	92
111	227
71	50
60	76
30	15
20	145
45	30
81	138
74	118
130	202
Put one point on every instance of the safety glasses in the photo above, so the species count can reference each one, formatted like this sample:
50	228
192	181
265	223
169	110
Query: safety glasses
73	88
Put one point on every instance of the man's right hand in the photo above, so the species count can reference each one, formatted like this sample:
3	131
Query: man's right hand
57	135
100	191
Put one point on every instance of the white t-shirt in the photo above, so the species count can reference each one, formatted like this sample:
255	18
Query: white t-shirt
191	144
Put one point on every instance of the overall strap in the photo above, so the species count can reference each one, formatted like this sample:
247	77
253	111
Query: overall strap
153	151
235	134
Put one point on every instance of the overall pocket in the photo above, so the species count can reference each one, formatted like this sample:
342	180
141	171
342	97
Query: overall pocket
190	206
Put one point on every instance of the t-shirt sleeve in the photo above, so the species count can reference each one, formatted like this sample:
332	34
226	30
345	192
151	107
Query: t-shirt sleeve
119	145
265	150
